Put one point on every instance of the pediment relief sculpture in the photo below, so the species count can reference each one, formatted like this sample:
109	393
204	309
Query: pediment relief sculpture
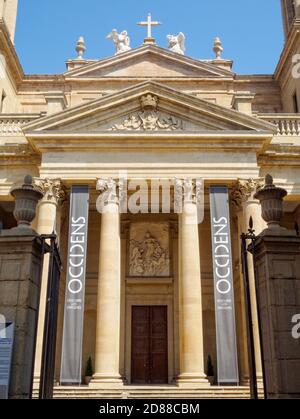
149	118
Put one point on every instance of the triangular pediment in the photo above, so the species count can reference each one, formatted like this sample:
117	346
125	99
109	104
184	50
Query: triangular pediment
146	108
149	62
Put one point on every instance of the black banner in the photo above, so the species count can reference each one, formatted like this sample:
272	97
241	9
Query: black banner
223	286
75	287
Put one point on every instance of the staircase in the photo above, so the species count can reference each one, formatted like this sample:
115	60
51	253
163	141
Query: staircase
152	392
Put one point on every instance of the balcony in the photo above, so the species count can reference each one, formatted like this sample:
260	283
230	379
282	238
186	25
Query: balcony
287	124
11	125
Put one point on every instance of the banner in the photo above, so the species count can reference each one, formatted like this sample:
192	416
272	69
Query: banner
223	287
6	348
75	287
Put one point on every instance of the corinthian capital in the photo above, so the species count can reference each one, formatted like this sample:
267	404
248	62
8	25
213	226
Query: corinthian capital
187	191
52	188
243	190
109	189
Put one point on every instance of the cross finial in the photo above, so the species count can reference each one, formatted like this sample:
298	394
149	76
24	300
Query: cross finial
149	24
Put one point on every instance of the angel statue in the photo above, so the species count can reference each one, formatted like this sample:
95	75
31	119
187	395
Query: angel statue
121	40
177	43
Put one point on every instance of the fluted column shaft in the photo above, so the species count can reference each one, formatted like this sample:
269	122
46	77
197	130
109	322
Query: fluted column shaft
252	209
46	224
243	198
107	356
297	8
190	299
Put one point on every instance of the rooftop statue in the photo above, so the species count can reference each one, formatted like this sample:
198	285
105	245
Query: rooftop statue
177	43
121	41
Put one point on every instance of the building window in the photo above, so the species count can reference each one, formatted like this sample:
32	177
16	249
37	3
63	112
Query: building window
2	100
295	103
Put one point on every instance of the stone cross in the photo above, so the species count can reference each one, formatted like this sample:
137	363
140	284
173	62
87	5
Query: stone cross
149	24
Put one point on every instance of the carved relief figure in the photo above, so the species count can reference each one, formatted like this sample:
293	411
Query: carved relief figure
148	258
136	260
177	43
121	40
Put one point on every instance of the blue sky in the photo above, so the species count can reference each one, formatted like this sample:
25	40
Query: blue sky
251	31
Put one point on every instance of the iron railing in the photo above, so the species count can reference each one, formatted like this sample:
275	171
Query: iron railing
247	246
50	246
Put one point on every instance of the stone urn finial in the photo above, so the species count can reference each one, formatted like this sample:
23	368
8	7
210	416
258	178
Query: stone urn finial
218	49
26	198
80	48
271	199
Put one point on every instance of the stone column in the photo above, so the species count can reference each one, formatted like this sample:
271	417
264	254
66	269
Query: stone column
190	294
244	196
107	356
46	224
297	8
125	229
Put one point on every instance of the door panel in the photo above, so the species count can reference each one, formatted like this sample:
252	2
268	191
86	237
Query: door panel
140	345
149	364
158	346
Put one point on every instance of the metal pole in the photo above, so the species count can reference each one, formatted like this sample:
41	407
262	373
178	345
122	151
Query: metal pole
50	326
46	343
257	293
249	321
43	251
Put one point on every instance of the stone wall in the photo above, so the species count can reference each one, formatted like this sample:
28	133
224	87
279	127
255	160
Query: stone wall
20	266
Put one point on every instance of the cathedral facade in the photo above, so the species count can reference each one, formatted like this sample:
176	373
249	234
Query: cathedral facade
158	119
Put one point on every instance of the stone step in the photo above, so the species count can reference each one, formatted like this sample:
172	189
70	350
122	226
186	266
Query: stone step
151	392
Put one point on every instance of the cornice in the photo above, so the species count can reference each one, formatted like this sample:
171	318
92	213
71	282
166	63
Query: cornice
12	60
257	78
291	40
156	50
18	154
280	159
219	142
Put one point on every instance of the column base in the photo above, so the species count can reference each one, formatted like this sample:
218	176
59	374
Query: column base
36	383
245	381
106	380
260	381
192	380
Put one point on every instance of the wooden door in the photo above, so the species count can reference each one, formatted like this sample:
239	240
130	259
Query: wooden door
149	359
